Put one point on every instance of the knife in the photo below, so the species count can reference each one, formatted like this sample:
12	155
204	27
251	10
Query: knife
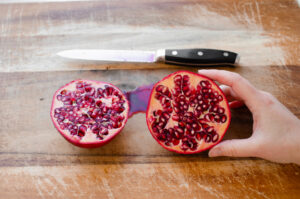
189	57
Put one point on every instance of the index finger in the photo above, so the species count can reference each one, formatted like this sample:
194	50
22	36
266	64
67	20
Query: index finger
242	87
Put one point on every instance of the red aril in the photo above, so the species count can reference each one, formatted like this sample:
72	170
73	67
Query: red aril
89	113
187	113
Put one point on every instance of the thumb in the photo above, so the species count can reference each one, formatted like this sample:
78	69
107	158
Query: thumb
234	148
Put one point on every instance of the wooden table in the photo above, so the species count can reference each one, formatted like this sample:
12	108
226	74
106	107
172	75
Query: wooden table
36	162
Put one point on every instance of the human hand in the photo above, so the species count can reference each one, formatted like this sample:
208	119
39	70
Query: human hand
276	131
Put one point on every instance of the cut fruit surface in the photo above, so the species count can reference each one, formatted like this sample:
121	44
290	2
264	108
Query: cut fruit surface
187	113
89	113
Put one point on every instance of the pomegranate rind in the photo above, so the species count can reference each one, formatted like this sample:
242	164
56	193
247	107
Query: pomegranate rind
152	102
73	139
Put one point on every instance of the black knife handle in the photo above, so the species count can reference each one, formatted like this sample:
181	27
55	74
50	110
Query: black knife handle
199	56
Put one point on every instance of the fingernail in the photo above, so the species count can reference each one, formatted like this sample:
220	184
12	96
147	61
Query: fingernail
222	86
214	152
201	70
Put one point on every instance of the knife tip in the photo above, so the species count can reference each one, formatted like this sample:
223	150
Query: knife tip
60	53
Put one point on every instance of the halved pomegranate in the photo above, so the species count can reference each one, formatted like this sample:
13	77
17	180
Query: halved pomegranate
187	113
89	113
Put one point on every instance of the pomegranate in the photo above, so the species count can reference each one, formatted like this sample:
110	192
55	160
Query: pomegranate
89	113
187	113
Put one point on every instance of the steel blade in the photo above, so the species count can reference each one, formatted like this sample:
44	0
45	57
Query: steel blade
109	55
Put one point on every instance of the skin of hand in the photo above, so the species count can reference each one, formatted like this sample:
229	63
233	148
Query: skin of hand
276	130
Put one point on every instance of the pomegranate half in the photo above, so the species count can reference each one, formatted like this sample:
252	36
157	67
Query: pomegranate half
89	113
187	113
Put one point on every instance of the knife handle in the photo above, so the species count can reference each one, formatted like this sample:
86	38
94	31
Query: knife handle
200	56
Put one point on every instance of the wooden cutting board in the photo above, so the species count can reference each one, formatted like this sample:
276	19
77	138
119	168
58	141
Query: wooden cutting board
36	162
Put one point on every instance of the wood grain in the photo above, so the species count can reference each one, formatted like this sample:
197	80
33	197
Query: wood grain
262	32
36	162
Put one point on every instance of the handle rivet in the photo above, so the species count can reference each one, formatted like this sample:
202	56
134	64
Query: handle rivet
200	53
174	52
225	54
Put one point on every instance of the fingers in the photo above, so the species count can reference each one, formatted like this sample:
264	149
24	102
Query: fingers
234	148
233	99
240	86
229	93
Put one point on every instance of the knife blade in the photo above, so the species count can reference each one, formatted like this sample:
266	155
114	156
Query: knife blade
189	57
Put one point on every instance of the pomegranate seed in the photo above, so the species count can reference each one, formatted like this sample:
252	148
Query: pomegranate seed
161	124
161	137
215	100
181	124
164	90
185	89
179	130
65	98
220	98
175	142
189	114
73	132
99	103
185	78
117	125
88	89
199	108
184	119
204	90
59	97
167	104
161	119
214	109
169	110
215	137
200	135
223	118
100	137
188	93
175	117
217	118
159	112
189	120
209	117
103	131
177	78
176	110
159	88
167	143
62	126
166	115
195	126
188	126
199	97
197	113
208	138
63	92
184	107
81	131
221	110
81	120
193	144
